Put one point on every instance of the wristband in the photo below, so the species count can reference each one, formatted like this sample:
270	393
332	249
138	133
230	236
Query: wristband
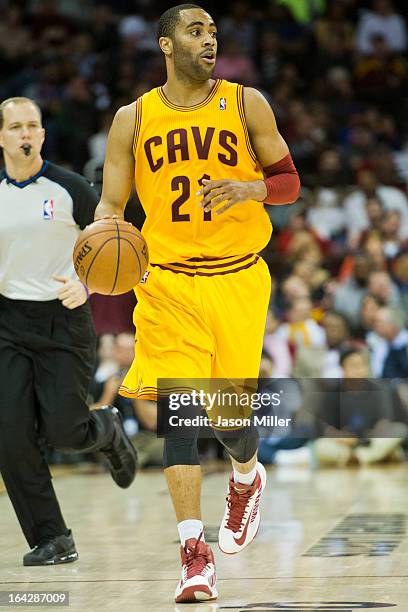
282	182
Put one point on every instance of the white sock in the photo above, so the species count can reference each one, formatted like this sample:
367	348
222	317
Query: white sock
191	528
246	479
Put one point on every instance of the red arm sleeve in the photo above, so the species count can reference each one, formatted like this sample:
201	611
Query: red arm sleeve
282	182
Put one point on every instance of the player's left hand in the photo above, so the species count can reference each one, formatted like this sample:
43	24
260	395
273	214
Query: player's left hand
230	193
72	293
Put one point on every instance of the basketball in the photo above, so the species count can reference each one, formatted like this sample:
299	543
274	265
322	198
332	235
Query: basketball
110	256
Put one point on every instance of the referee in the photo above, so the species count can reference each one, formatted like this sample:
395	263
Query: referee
47	340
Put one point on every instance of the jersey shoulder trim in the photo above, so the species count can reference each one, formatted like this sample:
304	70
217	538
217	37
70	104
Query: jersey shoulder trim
241	110
138	122
208	99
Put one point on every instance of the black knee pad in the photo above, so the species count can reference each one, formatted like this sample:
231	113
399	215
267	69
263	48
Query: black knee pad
241	444
180	451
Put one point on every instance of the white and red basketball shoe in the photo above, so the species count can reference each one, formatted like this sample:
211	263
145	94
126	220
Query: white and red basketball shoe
197	573
241	519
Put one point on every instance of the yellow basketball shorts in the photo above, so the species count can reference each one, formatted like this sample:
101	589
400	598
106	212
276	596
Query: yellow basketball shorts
199	320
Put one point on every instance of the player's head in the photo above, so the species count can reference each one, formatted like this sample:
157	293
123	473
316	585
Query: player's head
21	124
188	38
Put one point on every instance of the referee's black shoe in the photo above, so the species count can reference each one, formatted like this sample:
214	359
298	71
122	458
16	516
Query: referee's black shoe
121	455
52	550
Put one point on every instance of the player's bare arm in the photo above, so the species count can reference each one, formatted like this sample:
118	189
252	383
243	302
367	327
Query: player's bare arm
119	167
269	147
267	143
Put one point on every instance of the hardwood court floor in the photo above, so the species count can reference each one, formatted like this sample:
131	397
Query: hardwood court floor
326	536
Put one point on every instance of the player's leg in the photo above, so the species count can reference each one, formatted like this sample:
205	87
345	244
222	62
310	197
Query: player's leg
180	456
172	343
237	304
25	473
183	475
63	365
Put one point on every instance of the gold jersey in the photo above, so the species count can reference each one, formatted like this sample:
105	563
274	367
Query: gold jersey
175	148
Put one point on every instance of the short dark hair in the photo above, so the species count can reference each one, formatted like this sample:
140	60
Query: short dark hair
351	350
171	17
17	100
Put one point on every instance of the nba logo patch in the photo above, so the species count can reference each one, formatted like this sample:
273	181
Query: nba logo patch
48	210
223	103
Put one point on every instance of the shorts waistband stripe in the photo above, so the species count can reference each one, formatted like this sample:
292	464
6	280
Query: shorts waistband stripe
212	266
218	269
204	259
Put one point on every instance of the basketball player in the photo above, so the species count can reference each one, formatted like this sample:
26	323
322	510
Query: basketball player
47	341
205	155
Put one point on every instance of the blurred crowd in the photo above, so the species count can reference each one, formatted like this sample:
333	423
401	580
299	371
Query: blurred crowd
336	75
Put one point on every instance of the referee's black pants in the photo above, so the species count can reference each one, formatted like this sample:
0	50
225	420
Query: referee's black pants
47	355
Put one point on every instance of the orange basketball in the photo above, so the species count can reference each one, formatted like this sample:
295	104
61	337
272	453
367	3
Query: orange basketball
110	256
